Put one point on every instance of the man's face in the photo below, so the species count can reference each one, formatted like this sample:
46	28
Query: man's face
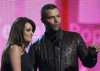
52	19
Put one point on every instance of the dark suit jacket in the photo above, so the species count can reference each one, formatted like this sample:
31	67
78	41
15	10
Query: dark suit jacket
60	52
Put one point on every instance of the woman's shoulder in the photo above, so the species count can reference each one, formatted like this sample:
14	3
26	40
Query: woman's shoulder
15	49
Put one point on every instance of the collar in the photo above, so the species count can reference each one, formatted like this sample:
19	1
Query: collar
57	36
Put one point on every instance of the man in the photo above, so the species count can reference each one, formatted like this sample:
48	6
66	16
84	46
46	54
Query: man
58	50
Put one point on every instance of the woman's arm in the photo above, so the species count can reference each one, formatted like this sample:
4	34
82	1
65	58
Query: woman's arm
15	57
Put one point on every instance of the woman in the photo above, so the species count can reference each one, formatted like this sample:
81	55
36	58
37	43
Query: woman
14	57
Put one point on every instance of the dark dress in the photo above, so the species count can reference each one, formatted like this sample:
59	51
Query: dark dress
26	64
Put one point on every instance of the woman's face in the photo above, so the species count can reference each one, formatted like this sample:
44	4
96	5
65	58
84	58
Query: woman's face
28	33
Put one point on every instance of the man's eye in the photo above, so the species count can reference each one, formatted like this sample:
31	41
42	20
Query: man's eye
58	16
49	17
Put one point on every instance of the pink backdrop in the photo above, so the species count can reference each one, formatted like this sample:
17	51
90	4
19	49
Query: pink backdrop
83	17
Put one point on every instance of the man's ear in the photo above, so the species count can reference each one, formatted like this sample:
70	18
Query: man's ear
43	20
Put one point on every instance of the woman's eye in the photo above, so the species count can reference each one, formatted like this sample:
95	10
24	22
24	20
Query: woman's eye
28	30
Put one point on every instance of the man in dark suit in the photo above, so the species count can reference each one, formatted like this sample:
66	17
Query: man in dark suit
58	50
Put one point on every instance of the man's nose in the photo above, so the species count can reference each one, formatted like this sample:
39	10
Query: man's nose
56	19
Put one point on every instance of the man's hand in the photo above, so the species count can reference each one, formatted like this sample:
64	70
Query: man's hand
94	49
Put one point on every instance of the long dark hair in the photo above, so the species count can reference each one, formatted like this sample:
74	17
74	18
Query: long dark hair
16	37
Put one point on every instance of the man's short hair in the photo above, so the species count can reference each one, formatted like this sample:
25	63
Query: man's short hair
46	7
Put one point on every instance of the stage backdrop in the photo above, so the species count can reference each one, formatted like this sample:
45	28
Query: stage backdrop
80	16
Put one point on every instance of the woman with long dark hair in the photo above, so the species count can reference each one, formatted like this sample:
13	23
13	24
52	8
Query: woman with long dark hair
14	57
